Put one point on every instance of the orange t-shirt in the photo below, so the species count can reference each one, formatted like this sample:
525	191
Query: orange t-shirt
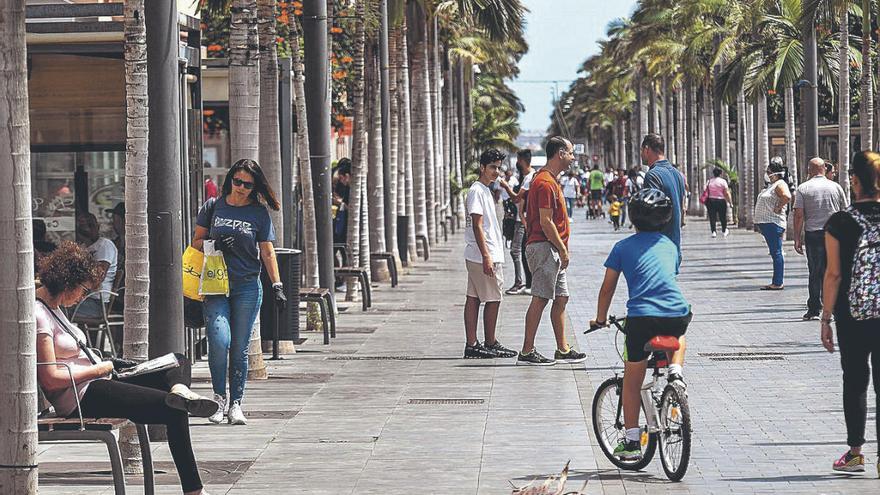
545	192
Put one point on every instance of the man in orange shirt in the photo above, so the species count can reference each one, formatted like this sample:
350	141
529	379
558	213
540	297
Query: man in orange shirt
547	232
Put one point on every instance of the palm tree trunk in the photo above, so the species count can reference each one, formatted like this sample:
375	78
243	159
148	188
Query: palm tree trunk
358	148
394	136
436	112
407	141
621	142
655	108
669	120
375	173
694	133
843	104
763	133
724	152
866	110
709	118
790	145
643	107
270	139
135	342
18	379
244	116
681	127
303	152
420	128
743	141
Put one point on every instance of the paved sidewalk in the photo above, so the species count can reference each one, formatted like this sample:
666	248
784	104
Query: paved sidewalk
339	419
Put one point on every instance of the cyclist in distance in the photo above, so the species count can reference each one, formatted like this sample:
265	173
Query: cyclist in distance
656	306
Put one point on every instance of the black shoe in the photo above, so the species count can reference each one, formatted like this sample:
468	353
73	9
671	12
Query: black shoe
478	351
571	356
534	359
809	315
501	351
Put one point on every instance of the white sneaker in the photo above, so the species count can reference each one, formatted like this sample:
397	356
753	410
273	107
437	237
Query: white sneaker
236	416
217	417
725	233
714	235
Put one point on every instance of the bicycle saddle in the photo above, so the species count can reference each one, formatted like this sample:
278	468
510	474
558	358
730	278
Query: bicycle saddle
663	343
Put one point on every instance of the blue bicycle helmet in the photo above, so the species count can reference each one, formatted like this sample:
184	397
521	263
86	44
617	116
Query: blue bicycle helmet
650	209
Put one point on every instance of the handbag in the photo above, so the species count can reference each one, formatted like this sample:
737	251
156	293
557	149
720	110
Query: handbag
215	279
193	264
704	196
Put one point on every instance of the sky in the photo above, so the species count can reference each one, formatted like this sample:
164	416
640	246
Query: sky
561	34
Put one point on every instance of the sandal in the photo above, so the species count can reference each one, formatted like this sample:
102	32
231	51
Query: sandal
770	287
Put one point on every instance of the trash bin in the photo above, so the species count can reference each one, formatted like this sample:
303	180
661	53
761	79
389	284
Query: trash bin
403	238
289	269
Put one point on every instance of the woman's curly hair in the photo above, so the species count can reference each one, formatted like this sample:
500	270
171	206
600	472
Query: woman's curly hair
69	265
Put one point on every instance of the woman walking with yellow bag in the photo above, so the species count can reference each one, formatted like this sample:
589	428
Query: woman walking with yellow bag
239	224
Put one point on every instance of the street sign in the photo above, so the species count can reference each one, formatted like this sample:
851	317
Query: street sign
579	149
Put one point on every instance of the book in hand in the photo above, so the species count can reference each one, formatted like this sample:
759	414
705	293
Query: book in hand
160	363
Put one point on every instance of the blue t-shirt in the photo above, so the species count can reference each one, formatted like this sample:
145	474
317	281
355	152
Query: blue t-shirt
249	225
665	177
648	261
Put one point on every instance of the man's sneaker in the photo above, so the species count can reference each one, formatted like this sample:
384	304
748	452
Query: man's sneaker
501	351
514	290
628	450
714	235
217	417
236	415
849	463
534	359
527	291
725	233
809	315
570	356
478	351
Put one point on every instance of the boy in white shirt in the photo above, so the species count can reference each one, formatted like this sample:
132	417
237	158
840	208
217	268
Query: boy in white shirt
484	256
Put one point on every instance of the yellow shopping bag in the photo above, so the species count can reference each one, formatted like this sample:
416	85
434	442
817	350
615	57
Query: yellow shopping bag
193	261
215	279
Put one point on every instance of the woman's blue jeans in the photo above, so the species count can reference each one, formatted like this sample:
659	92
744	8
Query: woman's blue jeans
229	323
569	205
773	235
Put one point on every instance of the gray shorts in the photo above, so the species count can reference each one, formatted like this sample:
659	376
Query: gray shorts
548	279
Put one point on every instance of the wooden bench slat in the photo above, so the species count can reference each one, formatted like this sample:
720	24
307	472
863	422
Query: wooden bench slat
102	424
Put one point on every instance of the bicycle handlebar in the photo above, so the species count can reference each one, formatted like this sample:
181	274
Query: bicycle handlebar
612	320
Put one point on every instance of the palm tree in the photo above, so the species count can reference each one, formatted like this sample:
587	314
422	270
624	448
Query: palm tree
18	380
359	147
421	119
135	337
843	128
270	139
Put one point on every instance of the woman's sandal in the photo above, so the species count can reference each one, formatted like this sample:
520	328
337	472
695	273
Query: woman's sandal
770	287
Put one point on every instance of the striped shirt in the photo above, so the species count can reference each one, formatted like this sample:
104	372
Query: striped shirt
767	201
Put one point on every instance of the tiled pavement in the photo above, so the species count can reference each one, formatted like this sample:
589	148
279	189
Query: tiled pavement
330	421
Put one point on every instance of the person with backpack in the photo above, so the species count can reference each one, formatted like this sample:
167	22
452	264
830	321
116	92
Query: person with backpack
851	291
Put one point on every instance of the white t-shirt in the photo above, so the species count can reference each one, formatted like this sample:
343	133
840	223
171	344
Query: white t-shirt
569	187
512	182
526	183
481	202
104	250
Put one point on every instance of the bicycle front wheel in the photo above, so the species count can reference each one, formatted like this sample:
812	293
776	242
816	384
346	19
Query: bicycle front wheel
609	429
675	431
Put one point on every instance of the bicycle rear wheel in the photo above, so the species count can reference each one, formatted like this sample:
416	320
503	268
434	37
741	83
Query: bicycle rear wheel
675	431
609	429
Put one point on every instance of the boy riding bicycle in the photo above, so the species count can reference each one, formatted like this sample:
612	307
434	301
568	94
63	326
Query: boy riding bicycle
656	306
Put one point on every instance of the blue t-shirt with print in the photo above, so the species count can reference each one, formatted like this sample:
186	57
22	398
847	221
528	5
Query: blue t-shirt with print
648	261
249	225
665	177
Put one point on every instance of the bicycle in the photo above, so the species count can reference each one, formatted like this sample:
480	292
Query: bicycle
667	419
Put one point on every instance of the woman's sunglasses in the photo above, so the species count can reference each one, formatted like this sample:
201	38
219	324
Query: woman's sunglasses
239	183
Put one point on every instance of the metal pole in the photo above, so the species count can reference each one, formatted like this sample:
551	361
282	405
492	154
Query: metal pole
384	77
317	86
164	179
285	109
811	117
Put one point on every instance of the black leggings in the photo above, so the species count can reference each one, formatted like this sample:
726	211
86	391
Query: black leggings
142	400
859	341
717	208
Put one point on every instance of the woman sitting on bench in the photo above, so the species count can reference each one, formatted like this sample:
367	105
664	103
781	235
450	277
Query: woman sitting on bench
161	397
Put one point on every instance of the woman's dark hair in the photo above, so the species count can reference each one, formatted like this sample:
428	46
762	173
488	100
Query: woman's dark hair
717	171
866	166
69	266
261	185
343	166
776	167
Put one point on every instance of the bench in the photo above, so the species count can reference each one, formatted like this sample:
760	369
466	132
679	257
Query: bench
56	429
392	264
322	297
426	253
363	276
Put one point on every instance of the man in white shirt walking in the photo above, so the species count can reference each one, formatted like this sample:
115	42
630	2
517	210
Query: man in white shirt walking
105	253
816	200
484	256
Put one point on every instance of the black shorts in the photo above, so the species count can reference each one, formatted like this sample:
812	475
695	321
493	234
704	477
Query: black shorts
596	194
640	329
